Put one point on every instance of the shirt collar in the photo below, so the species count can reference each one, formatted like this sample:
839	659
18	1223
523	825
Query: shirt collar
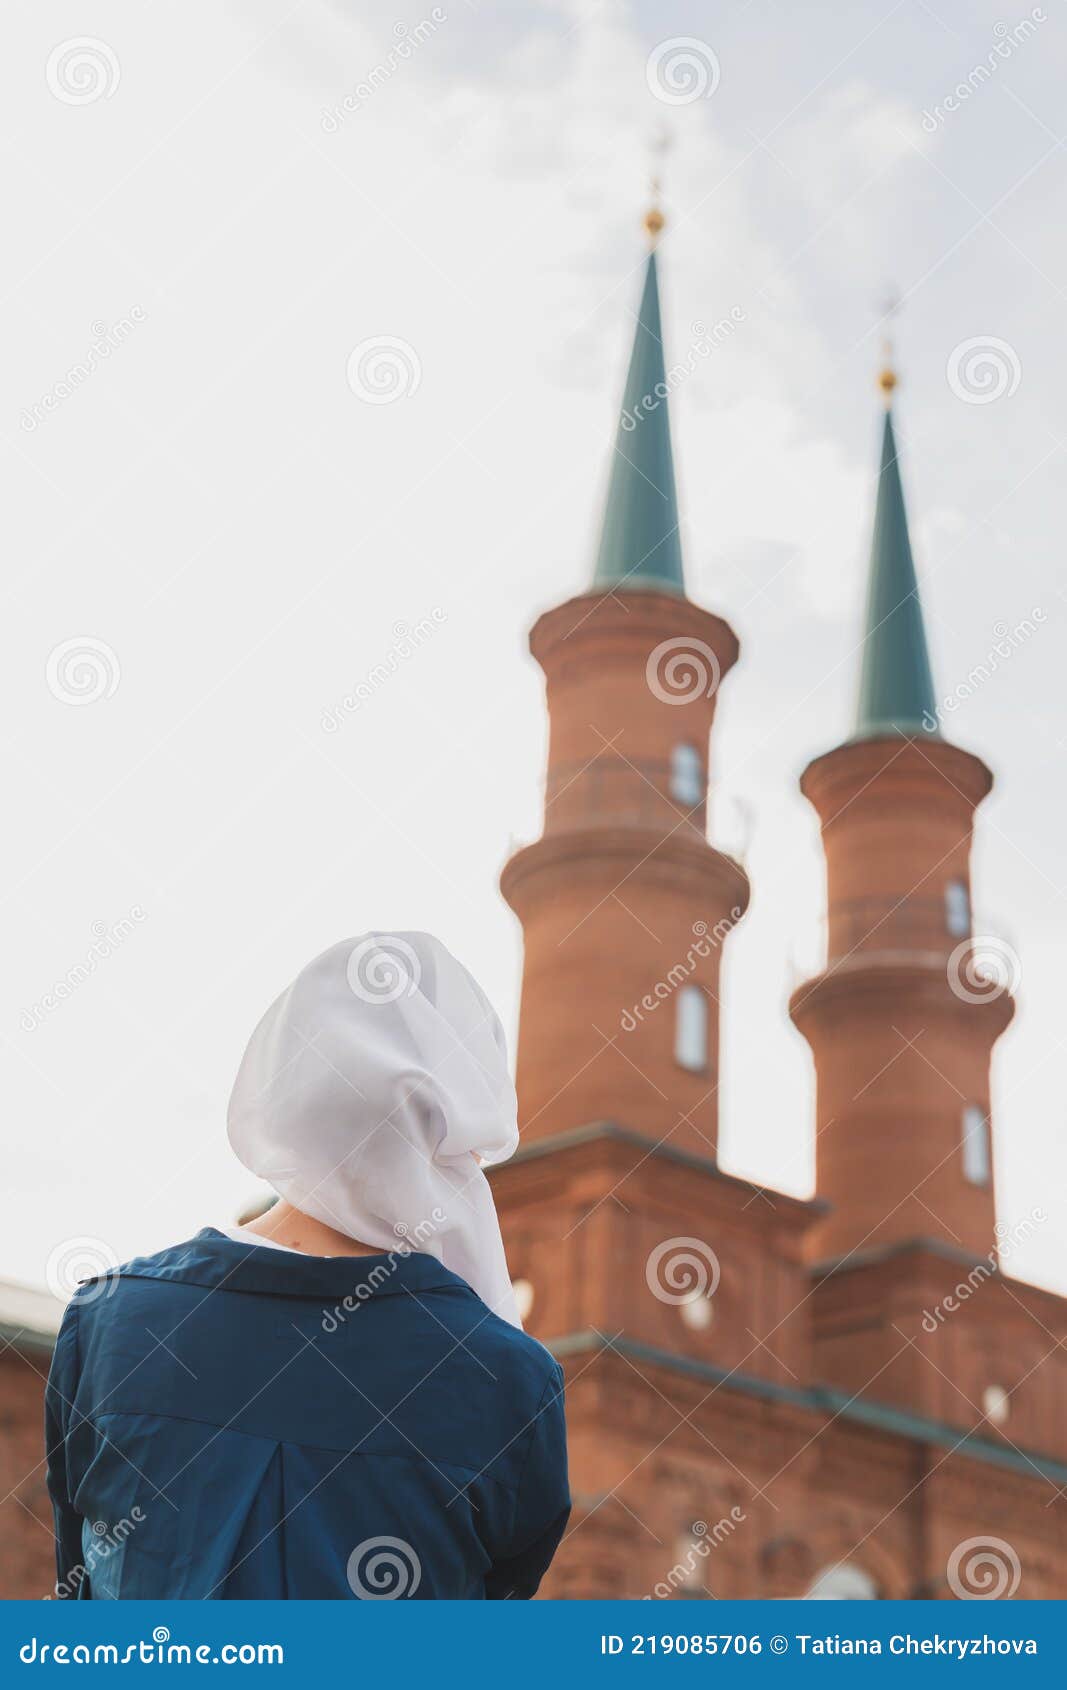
217	1262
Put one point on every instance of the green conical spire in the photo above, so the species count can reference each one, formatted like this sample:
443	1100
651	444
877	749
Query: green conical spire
640	545
896	686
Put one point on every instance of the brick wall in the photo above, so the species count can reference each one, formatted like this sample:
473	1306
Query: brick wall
27	1561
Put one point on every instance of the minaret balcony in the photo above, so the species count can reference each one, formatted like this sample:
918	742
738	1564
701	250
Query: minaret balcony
617	792
887	924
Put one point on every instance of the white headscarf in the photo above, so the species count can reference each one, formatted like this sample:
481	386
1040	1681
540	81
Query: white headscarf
370	1095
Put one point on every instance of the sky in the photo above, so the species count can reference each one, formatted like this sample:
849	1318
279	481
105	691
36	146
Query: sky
225	514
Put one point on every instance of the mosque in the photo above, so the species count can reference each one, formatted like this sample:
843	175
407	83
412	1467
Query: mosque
767	1397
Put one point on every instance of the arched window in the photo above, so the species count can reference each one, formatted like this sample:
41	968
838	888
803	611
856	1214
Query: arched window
697	1312
843	1583
688	1575
687	775
977	1160
524	1297
957	909
691	1030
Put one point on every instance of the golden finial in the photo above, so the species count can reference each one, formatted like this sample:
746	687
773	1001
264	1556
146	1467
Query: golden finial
654	222
887	375
654	219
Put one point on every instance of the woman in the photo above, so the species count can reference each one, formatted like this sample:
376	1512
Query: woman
337	1400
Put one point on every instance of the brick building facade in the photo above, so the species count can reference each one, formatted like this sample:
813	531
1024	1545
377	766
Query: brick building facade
29	1321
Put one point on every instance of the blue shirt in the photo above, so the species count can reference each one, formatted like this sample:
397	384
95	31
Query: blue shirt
226	1420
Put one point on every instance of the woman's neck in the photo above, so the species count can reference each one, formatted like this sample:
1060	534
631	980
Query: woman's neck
297	1231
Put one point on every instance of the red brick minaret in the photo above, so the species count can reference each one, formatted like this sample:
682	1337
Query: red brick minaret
644	1266
903	1019
624	904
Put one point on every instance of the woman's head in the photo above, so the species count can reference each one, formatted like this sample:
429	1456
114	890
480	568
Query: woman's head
370	1095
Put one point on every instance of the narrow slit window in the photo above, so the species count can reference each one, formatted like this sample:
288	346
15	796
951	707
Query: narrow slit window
691	1553
687	775
691	1030
957	909
977	1161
